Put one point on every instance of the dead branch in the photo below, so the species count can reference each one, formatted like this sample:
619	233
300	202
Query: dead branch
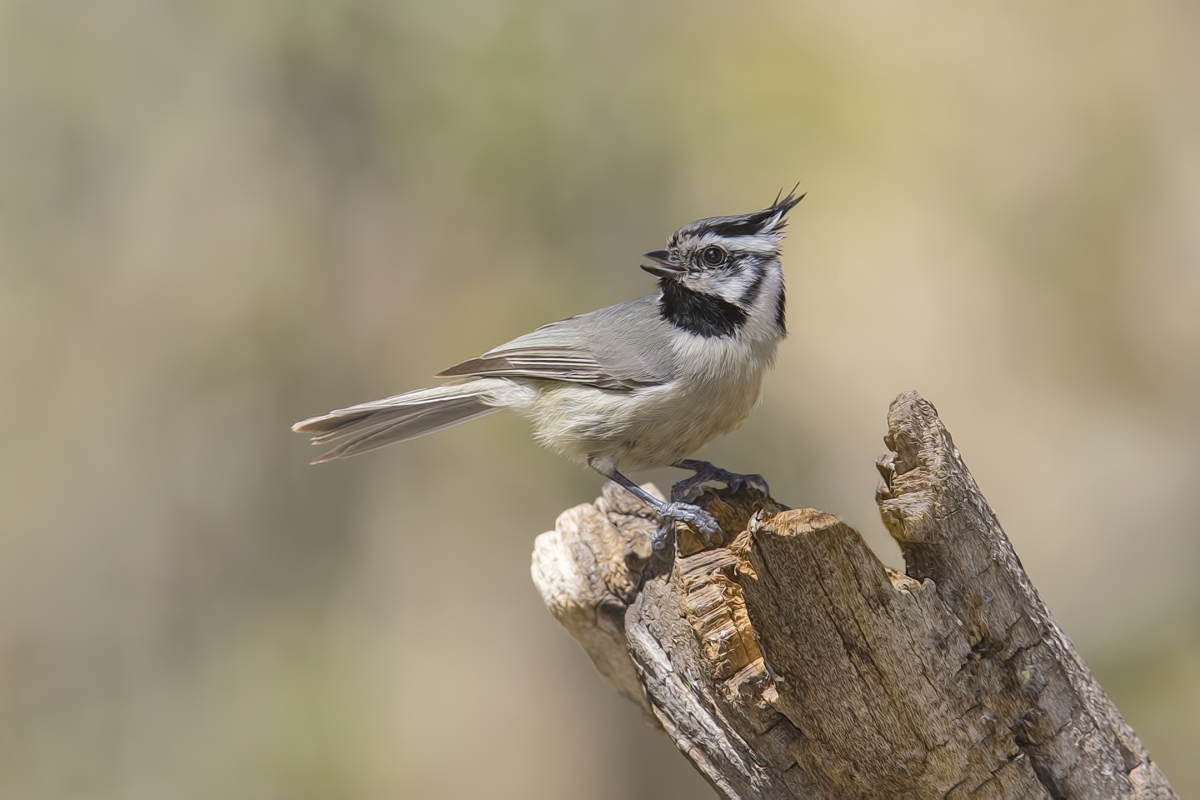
792	663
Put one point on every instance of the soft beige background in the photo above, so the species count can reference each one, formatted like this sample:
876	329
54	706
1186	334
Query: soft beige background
220	217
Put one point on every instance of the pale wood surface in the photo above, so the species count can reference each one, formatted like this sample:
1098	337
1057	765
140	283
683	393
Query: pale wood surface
792	663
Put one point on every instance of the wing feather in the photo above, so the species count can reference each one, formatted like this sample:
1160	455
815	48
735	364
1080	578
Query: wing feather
620	347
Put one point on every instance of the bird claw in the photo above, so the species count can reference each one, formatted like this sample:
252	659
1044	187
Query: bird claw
689	489
699	519
737	481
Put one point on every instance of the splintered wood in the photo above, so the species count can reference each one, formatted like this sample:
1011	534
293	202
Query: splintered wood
791	663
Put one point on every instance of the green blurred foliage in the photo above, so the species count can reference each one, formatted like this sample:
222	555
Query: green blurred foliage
218	218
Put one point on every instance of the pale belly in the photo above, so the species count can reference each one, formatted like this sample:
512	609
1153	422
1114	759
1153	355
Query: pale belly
645	428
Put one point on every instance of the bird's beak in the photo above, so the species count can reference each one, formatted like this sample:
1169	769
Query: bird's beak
663	266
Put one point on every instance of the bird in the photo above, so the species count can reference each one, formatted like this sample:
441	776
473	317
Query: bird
637	385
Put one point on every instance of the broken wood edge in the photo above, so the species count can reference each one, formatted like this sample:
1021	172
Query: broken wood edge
566	570
792	663
934	509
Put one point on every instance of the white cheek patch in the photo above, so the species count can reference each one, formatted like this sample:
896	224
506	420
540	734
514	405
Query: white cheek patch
727	286
701	282
731	286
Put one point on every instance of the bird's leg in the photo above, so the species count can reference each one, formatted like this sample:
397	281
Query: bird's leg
688	513
688	489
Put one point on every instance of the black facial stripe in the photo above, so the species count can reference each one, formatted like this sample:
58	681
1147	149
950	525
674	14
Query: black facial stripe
745	225
780	312
751	294
702	314
735	227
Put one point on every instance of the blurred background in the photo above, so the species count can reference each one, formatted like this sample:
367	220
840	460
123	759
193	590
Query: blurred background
220	217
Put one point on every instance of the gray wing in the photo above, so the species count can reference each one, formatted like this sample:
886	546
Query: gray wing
620	347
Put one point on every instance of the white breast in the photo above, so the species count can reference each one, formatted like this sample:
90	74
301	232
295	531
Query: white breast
659	425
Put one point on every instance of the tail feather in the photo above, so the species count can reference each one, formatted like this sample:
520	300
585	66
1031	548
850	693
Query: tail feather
369	426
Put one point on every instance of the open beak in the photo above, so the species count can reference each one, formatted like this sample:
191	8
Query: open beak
663	266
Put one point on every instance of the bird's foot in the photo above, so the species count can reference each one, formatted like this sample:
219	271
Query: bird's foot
698	518
687	490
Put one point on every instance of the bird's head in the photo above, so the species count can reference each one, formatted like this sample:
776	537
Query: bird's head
733	260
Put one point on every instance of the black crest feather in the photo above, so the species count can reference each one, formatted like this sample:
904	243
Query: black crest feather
772	219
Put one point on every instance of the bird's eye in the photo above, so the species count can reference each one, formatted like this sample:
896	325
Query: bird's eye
713	256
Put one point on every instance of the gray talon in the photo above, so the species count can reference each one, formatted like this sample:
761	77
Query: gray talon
689	489
691	515
663	536
759	482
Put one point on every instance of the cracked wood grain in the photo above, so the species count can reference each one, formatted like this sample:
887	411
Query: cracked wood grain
791	663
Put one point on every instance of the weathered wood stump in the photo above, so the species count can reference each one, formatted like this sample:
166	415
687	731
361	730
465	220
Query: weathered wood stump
792	663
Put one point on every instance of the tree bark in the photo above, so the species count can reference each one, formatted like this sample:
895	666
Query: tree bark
792	663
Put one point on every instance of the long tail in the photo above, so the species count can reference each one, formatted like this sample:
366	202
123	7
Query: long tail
368	426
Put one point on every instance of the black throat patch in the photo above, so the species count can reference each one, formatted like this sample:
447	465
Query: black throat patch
702	314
